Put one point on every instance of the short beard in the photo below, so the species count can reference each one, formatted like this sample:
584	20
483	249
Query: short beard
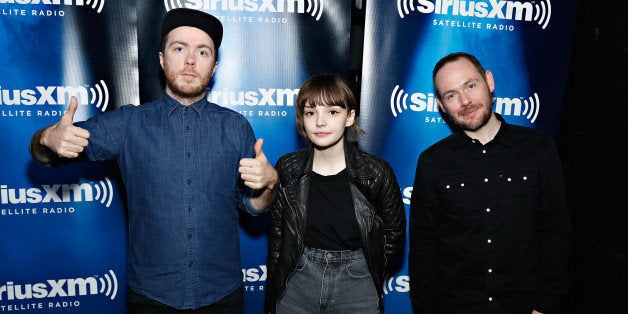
188	93
194	93
472	127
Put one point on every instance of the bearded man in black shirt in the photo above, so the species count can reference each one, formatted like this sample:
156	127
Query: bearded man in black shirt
489	224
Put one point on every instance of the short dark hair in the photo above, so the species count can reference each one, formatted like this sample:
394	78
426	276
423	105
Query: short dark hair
325	89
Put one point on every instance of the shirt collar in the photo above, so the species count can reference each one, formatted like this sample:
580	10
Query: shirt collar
502	136
170	104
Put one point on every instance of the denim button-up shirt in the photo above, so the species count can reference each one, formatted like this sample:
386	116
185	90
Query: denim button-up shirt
179	165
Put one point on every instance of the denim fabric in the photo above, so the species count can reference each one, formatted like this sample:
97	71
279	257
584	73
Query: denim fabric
330	282
180	170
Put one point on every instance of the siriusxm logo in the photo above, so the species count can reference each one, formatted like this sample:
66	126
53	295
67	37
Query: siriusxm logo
407	194
94	4
418	101
538	11
106	284
254	274
397	284
98	95
101	191
401	101
313	8
260	97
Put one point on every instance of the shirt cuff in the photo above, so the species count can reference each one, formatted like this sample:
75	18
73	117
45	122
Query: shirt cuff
248	206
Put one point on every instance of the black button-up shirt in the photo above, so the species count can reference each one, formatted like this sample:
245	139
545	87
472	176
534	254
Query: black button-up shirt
489	225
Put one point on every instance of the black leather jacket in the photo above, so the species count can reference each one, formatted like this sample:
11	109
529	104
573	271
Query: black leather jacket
378	207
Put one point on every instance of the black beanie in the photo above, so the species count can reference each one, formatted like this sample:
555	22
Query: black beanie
194	18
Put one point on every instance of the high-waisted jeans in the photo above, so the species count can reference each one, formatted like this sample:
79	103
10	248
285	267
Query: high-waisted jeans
330	282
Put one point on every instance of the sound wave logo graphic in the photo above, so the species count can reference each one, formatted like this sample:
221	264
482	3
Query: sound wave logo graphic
315	8
109	285
541	11
388	287
104	191
99	96
531	107
173	4
404	7
96	4
398	99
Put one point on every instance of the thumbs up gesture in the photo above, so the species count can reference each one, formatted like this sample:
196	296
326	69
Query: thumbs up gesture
256	172
63	138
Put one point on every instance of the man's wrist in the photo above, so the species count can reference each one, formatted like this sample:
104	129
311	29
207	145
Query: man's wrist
39	149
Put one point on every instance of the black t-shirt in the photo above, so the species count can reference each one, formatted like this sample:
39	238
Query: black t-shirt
331	222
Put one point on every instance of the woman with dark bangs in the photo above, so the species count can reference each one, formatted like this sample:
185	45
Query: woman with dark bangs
339	217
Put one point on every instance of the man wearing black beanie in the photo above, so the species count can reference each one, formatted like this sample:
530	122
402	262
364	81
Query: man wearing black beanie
188	165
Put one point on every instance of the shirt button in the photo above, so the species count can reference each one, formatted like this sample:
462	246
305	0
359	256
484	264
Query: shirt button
489	241
187	128
189	182
490	270
490	299
189	209
189	236
485	179
188	154
191	263
329	255
488	210
484	151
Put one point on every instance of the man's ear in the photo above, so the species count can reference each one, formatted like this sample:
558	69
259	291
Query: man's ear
490	81
214	68
440	104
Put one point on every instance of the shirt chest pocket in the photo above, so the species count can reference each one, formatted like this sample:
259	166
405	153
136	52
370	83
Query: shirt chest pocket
458	193
220	171
518	189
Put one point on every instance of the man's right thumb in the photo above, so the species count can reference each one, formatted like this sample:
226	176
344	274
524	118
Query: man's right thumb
68	116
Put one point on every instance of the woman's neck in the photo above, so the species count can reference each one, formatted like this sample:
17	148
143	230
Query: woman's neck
329	161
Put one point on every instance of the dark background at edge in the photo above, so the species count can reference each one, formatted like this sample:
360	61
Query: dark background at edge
594	163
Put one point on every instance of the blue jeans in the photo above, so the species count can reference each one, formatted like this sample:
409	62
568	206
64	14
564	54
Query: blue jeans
330	282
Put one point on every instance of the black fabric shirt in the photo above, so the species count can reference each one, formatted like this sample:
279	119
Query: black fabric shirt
489	225
331	222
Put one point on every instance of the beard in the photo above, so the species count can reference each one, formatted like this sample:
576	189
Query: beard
484	110
182	88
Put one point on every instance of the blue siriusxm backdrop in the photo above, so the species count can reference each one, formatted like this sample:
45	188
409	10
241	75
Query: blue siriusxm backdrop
63	229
